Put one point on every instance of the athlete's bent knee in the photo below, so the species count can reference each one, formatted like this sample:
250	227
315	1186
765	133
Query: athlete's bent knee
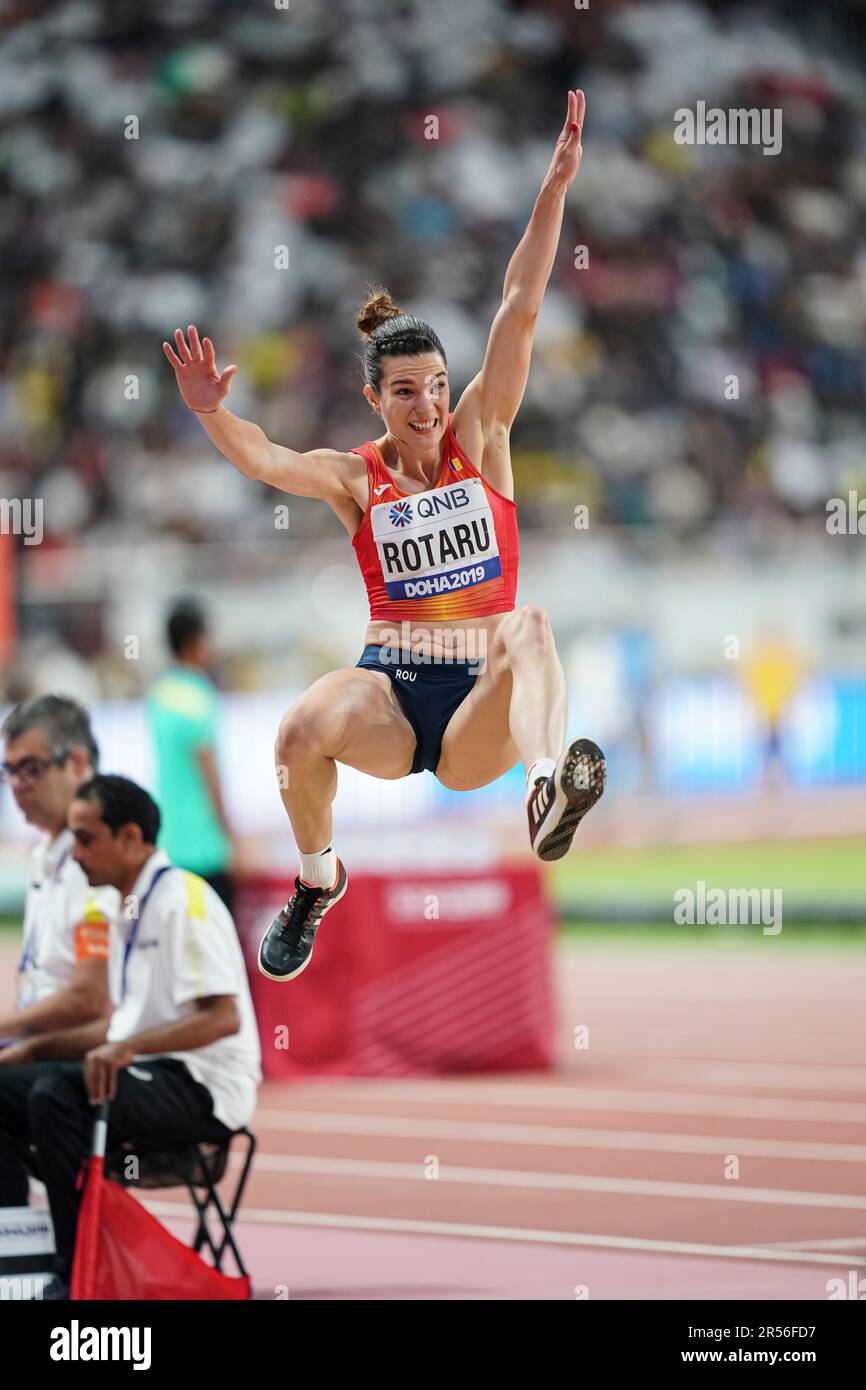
527	626
300	734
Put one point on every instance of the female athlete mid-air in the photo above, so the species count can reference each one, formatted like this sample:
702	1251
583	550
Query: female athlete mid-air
429	509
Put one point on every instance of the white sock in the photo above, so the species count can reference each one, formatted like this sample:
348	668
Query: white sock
542	767
319	870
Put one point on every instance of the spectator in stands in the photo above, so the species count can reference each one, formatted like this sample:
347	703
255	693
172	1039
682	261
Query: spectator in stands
182	714
178	1057
62	975
772	673
702	265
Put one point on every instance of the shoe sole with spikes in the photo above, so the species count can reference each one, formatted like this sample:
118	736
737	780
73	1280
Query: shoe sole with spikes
578	782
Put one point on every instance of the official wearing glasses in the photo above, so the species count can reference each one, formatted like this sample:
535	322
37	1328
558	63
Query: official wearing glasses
62	977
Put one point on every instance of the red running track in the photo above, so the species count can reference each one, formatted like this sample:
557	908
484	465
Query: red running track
704	1141
707	1142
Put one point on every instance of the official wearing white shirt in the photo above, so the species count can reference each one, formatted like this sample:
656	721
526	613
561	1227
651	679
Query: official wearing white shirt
179	1056
62	978
180	948
65	922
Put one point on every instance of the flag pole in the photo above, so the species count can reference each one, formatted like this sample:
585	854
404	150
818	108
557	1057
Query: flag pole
87	1227
100	1131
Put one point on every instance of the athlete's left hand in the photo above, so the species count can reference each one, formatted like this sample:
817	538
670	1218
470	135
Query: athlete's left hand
568	152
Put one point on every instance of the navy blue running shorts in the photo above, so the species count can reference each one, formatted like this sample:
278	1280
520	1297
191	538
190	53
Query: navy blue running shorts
429	693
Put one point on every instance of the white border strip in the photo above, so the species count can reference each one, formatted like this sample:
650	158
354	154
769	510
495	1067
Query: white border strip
335	1221
514	1178
550	1136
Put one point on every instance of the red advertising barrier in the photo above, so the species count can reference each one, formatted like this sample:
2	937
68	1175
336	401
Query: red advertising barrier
410	976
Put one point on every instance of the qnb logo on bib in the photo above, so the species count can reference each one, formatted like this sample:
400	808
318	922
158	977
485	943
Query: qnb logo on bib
437	542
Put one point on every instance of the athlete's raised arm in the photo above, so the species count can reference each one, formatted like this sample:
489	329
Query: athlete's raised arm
493	397
319	473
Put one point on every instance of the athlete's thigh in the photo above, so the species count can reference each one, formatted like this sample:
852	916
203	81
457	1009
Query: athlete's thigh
353	715
477	746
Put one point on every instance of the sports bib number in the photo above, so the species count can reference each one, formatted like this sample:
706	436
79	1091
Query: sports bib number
436	542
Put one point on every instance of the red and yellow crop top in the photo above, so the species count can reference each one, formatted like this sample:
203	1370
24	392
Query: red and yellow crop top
447	553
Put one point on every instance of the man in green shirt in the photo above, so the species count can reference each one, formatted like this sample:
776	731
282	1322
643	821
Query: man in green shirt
182	715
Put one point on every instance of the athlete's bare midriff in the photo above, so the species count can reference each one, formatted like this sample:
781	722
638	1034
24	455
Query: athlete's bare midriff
466	639
459	639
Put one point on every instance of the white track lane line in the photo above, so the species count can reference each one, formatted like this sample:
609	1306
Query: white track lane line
276	1217
550	1136
574	1097
855	1243
374	1169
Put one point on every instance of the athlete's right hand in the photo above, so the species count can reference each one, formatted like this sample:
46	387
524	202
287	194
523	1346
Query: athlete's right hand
201	385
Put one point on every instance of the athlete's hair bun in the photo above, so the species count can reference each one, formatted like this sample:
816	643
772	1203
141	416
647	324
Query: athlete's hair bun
378	308
401	334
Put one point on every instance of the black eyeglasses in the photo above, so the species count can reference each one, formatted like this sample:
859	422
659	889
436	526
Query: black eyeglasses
29	770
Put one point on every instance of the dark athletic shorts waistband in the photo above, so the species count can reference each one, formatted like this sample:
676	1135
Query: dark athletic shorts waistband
390	658
428	693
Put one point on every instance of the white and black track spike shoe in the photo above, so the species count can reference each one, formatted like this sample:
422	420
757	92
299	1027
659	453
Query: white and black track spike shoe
557	804
287	945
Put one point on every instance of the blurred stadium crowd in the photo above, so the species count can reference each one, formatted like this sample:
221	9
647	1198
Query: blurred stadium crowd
307	128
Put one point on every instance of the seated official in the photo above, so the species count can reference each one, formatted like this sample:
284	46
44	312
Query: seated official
179	1055
63	971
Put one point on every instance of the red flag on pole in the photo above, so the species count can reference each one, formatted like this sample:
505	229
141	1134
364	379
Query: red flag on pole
123	1252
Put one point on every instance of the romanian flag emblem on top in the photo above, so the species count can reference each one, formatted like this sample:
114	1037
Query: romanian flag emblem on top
457	465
